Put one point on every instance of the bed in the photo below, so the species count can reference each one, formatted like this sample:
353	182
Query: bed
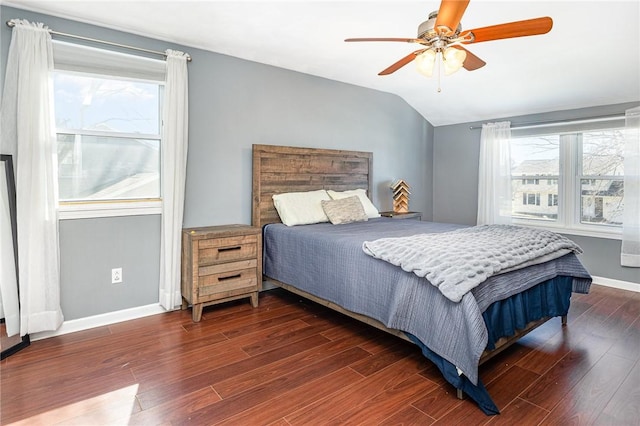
326	263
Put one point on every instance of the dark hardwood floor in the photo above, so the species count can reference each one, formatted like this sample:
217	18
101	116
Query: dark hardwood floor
292	362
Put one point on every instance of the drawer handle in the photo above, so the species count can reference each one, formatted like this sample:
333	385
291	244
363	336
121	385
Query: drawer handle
229	248
230	277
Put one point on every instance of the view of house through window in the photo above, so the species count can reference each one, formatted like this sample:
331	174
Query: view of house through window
535	170
108	134
570	180
602	177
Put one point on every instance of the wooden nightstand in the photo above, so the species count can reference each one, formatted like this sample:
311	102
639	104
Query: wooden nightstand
408	215
220	263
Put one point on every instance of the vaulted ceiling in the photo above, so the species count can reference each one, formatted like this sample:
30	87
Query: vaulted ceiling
591	56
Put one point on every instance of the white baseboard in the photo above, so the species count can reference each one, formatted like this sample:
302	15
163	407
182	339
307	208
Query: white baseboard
101	320
623	285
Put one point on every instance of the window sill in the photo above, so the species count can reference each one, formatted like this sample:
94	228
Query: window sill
615	234
109	209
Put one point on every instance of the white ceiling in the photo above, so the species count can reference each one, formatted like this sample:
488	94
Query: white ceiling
591	56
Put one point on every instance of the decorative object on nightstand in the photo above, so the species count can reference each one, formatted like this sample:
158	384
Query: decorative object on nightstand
219	264
401	193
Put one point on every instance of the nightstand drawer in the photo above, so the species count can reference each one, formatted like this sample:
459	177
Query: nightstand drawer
244	280
219	250
227	267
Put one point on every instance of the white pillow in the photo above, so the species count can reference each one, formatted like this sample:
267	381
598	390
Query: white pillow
301	208
369	208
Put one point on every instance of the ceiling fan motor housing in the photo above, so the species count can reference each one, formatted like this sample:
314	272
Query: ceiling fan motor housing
426	30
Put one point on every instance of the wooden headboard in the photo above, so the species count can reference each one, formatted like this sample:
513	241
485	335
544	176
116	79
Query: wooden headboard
278	169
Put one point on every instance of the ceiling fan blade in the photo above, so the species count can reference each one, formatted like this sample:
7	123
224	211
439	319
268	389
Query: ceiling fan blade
449	16
401	63
407	40
528	27
471	62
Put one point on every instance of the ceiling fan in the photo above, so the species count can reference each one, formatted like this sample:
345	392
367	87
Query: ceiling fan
442	38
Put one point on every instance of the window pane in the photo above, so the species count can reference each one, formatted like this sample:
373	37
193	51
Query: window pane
107	168
535	166
603	153
92	103
602	201
535	156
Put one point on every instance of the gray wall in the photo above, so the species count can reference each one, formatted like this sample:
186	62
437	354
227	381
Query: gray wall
456	150
89	248
233	104
242	103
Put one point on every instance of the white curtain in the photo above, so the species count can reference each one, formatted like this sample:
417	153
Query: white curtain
630	255
494	174
174	165
27	134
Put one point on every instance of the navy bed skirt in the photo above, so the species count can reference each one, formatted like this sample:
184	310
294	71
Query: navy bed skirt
549	299
503	318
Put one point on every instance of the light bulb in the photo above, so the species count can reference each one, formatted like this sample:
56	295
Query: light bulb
453	59
425	61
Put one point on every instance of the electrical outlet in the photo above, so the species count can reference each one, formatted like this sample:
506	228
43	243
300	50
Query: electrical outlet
116	275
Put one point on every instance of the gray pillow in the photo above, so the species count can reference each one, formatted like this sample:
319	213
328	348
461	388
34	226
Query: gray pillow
344	210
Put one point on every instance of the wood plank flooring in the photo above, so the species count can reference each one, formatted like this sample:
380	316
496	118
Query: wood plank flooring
292	362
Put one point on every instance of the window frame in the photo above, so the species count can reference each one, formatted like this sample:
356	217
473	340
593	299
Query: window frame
569	183
70	58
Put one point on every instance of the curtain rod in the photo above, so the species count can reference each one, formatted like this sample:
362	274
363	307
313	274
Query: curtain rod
12	24
535	124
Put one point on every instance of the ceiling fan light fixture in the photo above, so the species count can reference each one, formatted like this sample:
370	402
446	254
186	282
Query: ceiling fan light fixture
453	59
425	62
441	39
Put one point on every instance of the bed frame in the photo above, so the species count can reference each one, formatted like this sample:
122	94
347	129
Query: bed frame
278	169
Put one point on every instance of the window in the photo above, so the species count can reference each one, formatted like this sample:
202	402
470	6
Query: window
108	136
534	158
530	199
601	176
579	174
530	181
108	127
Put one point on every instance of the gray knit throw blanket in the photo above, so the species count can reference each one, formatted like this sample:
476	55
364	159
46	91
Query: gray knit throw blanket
458	261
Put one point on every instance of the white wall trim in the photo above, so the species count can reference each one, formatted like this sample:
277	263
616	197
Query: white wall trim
623	285
108	318
90	210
